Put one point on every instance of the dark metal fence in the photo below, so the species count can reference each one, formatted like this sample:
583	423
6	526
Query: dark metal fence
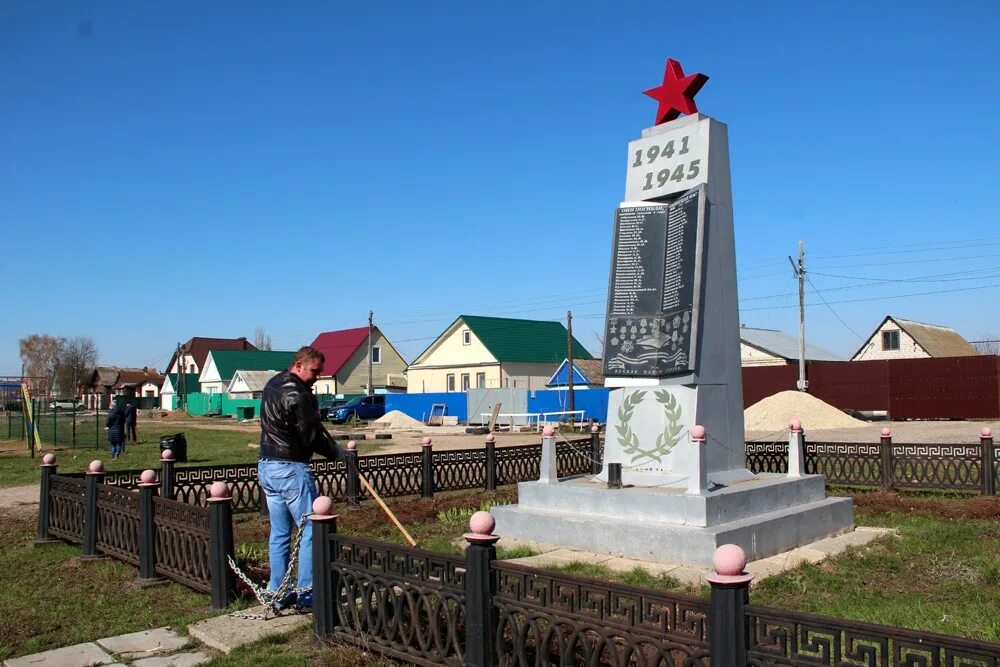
432	609
162	537
778	637
391	475
888	465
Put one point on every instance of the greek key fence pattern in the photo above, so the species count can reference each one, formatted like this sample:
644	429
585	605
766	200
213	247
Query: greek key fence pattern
331	478
182	543
392	474
516	464
459	469
125	479
914	466
780	638
192	485
573	457
545	618
118	523
404	602
66	498
941	466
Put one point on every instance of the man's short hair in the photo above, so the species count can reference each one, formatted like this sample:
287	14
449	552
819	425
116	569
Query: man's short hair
308	353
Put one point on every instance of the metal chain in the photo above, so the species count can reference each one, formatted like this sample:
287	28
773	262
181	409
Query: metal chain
269	599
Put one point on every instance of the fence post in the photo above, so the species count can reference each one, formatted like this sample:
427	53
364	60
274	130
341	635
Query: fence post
480	587
426	468
55	428
548	467
352	473
491	463
326	581
698	478
728	629
221	545
796	450
74	423
95	475
888	464
147	528
167	474
595	450
986	466
44	507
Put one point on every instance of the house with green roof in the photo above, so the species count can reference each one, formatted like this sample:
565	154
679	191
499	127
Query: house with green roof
174	386
491	352
221	366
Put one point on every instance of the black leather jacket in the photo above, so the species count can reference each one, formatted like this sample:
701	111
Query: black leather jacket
289	422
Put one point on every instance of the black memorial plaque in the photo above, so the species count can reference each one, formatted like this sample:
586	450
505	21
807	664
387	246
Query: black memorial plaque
652	305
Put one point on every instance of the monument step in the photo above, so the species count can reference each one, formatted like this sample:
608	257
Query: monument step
765	493
763	535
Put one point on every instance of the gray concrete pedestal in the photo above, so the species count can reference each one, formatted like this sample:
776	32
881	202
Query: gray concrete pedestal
766	515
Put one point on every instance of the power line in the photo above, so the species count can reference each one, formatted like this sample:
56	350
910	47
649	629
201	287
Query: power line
895	296
820	295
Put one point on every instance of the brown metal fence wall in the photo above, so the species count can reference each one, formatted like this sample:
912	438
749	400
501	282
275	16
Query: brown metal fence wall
944	388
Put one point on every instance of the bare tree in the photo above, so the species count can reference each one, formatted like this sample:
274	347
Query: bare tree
261	339
989	344
77	358
40	356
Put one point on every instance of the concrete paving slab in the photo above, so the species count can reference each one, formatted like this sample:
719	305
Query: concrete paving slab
144	644
78	655
225	633
186	659
627	565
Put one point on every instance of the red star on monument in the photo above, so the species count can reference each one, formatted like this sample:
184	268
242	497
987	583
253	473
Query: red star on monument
676	94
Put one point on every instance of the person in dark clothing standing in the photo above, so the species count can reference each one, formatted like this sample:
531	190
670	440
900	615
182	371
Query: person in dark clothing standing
115	423
131	413
291	432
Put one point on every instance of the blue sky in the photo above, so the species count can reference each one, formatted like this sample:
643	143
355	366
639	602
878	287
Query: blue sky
187	168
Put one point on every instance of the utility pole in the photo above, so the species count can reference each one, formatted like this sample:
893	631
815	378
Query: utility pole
800	273
371	390
569	366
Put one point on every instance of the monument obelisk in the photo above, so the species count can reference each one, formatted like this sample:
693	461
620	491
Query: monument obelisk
672	342
672	357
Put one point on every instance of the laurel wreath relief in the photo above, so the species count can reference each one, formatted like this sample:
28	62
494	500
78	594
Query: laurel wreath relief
665	441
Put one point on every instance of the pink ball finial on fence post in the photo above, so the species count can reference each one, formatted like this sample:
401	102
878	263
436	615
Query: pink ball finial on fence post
698	433
987	432
322	509
490	438
596	428
481	527
795	426
49	459
218	492
729	562
96	467
148	477
548	431
886	432
426	441
352	446
167	455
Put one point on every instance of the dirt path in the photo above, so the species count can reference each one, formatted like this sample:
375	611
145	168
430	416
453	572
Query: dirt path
20	498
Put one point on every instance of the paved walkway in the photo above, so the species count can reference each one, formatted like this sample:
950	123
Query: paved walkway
164	647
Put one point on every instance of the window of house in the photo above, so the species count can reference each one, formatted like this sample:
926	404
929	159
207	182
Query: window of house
191	368
466	337
149	392
465	382
450	381
890	340
480	380
376	354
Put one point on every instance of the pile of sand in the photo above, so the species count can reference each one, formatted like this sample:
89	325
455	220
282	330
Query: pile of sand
397	419
775	412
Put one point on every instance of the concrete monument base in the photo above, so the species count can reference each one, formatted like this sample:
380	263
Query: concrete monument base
766	515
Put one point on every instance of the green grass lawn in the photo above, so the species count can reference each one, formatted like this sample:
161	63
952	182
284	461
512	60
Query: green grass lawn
206	446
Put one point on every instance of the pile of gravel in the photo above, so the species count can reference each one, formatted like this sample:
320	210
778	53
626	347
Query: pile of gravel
775	412
397	419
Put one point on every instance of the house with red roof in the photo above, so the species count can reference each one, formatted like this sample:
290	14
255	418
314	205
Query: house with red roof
195	352
345	370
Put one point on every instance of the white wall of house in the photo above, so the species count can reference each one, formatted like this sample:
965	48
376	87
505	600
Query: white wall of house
148	389
213	387
327	385
190	366
454	356
751	356
908	348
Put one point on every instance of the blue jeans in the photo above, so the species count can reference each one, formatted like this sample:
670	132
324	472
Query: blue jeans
117	447
290	490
